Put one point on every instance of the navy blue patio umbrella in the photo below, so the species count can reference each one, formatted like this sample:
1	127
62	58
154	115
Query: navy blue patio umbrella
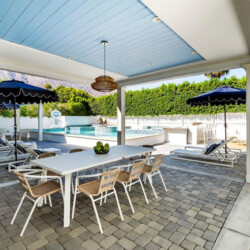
18	92
221	96
4	106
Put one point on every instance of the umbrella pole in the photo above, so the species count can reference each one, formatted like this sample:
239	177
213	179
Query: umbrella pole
15	129
225	126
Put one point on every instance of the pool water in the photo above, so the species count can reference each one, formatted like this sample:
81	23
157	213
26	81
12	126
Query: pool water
105	132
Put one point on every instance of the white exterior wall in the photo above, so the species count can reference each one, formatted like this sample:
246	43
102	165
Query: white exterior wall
78	120
236	123
25	123
32	123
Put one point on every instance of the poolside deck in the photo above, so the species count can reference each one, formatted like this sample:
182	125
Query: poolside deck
190	216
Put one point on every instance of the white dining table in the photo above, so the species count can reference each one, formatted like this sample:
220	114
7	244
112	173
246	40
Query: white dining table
67	164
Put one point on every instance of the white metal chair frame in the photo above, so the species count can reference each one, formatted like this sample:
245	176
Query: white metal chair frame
104	195
155	162
127	186
29	174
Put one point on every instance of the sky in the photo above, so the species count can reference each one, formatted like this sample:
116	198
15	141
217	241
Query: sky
240	72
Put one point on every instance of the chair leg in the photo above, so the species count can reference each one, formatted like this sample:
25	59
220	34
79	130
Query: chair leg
143	190
30	214
118	204
151	184
144	179
45	200
72	186
130	203
17	210
106	194
50	202
162	180
74	200
96	214
98	172
130	186
101	199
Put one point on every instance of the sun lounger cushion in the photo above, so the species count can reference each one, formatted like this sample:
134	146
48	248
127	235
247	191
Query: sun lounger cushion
204	150
187	152
2	143
21	149
212	147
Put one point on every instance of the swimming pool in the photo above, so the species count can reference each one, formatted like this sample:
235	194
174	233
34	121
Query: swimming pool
103	132
88	135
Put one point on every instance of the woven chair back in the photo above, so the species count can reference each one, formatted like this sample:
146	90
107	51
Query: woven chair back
136	169
24	183
75	150
157	163
46	155
108	180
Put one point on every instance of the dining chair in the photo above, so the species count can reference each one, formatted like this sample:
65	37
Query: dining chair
37	192
129	178
75	150
141	157
103	187
151	170
47	155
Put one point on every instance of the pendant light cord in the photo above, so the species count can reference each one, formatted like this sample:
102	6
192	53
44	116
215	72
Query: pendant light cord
104	58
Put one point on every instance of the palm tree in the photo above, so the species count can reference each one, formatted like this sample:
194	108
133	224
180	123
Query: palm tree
217	75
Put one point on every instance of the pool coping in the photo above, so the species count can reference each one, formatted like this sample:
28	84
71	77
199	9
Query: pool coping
95	138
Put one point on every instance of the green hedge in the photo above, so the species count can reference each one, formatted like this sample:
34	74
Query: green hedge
168	99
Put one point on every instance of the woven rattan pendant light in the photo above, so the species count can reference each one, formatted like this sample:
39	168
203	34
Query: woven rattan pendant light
104	83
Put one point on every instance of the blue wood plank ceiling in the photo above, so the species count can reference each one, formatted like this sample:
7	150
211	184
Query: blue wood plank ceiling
75	28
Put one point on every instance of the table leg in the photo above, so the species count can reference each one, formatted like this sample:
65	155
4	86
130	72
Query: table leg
67	195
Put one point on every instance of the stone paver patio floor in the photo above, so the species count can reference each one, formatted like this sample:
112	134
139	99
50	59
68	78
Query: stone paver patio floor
189	216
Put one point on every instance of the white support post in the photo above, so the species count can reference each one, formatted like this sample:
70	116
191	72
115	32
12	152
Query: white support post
121	116
40	121
247	68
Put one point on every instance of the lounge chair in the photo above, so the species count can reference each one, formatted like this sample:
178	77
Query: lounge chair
4	146
31	154
8	156
213	154
236	151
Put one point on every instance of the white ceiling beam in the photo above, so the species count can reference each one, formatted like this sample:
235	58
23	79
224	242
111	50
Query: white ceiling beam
210	27
187	70
22	59
242	9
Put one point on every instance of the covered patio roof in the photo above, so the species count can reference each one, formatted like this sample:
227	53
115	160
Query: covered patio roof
61	40
149	40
